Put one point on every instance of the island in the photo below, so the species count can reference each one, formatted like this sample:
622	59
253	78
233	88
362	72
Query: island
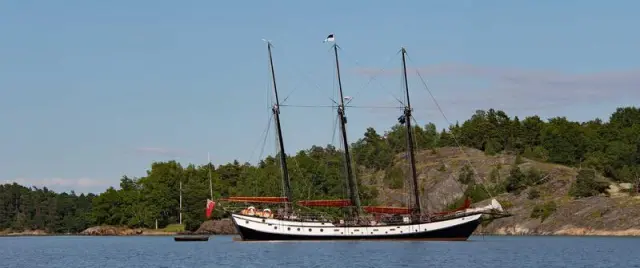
555	176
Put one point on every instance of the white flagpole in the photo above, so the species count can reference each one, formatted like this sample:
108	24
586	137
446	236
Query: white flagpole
209	166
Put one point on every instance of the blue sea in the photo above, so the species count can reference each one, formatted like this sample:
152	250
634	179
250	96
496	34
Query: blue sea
223	251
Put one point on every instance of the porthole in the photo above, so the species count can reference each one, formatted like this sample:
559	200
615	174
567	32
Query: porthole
309	229
321	230
275	227
262	220
298	229
247	222
288	228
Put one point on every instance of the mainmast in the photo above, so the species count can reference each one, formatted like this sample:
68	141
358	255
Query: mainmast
417	210
353	186
276	114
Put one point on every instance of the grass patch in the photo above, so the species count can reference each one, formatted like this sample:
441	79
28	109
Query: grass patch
173	228
596	214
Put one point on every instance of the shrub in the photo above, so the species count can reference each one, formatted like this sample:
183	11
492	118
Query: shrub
515	180
494	176
533	194
394	178
587	184
476	192
466	175
543	211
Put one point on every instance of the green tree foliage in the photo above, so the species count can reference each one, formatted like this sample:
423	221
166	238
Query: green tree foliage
610	148
587	184
23	208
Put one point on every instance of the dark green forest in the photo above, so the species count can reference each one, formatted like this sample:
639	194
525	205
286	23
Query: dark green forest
610	148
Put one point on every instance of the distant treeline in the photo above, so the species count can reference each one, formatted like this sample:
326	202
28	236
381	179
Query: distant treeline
611	148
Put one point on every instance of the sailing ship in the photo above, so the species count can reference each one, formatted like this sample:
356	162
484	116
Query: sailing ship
411	222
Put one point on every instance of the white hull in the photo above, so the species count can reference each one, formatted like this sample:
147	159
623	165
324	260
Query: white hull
256	228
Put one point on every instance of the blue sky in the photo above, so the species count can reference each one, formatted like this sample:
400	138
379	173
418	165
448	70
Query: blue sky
90	91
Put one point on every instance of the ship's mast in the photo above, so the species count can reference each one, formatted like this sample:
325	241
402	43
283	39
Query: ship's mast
417	209
276	114
353	186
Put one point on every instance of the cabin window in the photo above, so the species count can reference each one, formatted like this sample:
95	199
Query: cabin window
247	222
262	220
336	230
298	229
392	230
375	230
288	228
321	230
309	229
356	230
269	224
275	227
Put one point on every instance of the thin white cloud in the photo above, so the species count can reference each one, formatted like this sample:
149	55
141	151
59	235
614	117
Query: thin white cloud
79	185
525	89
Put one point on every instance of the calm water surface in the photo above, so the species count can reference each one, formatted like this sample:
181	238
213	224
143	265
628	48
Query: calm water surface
222	251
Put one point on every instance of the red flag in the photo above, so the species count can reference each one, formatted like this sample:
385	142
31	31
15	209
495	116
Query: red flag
210	206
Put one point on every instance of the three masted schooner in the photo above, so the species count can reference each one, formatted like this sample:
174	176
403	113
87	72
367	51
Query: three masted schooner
406	222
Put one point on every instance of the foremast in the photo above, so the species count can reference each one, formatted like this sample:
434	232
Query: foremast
276	115
416	209
351	182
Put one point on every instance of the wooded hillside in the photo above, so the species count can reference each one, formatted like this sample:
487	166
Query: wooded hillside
610	149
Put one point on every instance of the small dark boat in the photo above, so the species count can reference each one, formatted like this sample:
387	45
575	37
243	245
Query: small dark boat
190	238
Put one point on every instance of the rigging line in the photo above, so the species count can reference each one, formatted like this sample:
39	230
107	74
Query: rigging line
452	135
333	140
298	70
375	107
428	197
374	76
264	140
334	106
308	106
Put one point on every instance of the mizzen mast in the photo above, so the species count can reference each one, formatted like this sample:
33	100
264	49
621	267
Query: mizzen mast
406	119
351	182
276	114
